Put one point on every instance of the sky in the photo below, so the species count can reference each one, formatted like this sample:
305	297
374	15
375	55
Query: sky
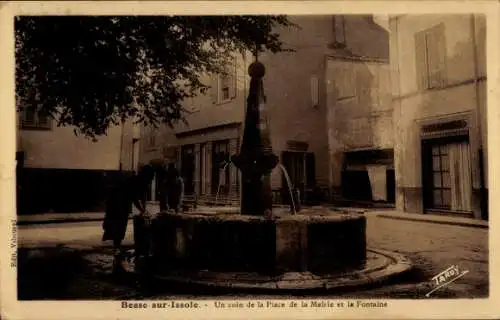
382	20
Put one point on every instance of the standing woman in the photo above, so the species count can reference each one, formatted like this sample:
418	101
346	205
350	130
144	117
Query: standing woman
122	195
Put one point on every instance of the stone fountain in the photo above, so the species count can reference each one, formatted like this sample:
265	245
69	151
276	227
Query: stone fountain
258	247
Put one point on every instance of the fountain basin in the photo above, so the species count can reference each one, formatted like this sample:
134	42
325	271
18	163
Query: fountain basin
239	243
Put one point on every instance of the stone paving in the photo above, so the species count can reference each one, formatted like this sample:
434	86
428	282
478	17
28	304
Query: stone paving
432	248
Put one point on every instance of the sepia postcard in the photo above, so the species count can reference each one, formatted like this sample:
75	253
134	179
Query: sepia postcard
249	160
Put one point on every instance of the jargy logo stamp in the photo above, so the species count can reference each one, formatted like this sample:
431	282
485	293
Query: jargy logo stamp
446	277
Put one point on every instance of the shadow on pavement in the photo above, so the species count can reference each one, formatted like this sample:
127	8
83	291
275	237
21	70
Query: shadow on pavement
46	273
59	273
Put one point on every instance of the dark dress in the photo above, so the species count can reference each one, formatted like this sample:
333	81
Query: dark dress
119	202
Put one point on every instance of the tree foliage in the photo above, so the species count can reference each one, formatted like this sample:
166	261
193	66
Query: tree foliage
91	72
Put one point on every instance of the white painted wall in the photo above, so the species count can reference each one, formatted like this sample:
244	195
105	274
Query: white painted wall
464	94
60	148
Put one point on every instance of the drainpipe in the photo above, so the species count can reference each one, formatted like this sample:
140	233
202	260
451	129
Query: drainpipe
482	181
399	152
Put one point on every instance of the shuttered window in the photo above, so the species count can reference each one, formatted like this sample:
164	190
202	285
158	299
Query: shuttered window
224	84
430	53
33	118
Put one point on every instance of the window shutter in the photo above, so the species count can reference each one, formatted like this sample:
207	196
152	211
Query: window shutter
432	58
421	60
214	88
436	56
441	53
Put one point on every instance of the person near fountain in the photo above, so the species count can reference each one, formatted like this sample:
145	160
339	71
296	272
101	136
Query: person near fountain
174	188
124	193
161	176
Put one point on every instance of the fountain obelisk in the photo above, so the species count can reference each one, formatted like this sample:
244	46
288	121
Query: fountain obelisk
256	159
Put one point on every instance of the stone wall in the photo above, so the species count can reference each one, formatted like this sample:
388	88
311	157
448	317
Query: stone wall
320	244
359	111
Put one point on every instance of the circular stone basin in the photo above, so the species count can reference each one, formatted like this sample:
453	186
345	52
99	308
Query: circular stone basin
380	266
277	210
232	242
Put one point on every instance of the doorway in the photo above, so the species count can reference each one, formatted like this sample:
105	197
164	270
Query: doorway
447	174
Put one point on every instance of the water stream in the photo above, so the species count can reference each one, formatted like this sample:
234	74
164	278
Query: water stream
287	178
220	180
289	184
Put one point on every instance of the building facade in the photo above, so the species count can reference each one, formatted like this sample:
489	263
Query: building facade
438	65
58	171
201	147
297	86
359	114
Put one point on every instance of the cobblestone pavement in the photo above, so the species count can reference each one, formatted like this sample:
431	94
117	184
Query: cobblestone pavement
432	248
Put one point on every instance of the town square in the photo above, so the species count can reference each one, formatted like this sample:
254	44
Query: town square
173	158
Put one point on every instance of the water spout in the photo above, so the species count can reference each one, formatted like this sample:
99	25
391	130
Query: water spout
290	189
220	182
